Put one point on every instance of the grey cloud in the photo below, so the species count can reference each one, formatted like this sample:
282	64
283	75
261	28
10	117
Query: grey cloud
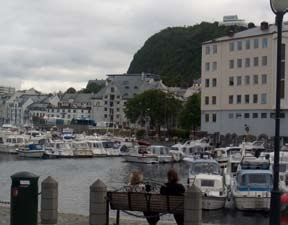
70	40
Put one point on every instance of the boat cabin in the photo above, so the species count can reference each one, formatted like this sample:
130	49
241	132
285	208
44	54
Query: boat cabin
254	180
206	166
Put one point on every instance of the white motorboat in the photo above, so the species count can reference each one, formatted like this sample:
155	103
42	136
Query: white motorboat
251	188
190	148
231	168
10	143
205	174
31	151
97	148
58	149
36	136
165	154
283	168
81	149
111	148
140	154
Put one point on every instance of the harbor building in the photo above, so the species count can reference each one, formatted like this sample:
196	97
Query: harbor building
109	103
233	21
239	82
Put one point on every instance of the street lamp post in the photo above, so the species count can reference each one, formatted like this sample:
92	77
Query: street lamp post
279	7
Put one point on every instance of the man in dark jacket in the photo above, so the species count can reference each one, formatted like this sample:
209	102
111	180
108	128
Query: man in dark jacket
174	188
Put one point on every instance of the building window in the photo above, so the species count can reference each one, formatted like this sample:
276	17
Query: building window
118	109
272	115
247	44
230	115
214	49
112	89
255	115
239	63
256	43
207	50
105	109
207	66
256	61
247	99
206	118
206	82
264	78
206	100
239	98
255	99
238	115
213	100
231	99
264	60
239	45
214	117
247	62
255	79
231	64
105	103
264	43
247	80
105	115
214	66
231	46
246	115
231	81
263	98
214	82
239	80
263	115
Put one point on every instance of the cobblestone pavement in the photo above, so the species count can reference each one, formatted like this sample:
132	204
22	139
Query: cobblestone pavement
71	219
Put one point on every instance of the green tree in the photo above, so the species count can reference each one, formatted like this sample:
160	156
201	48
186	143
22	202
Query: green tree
92	88
71	90
160	108
190	116
175	52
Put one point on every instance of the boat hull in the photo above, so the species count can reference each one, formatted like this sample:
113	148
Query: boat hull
31	154
141	159
213	202
252	203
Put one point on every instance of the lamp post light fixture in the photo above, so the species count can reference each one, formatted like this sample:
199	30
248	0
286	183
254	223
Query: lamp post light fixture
279	7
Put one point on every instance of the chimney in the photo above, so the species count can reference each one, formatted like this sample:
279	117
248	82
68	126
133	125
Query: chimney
264	26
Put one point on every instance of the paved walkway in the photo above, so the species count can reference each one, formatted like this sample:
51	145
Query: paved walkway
71	219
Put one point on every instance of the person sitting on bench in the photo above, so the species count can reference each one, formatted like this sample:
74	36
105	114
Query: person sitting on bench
174	188
136	184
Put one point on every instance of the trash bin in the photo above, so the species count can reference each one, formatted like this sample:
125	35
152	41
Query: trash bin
24	199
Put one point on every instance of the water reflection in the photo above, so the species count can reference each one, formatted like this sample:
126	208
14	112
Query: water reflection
76	175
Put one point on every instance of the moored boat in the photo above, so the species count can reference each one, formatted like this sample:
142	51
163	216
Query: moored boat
205	174
251	188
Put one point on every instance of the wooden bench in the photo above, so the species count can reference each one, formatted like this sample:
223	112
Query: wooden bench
145	202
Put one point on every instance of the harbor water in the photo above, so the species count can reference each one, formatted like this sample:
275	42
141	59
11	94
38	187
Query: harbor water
76	175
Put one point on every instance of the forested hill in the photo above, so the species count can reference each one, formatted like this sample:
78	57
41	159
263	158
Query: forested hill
175	53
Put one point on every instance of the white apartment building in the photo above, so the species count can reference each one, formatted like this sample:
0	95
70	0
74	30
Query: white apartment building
109	103
6	90
238	82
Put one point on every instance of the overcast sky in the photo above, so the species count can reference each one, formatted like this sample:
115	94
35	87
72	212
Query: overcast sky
54	44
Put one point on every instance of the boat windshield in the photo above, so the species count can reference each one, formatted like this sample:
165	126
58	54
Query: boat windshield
108	144
205	167
256	179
